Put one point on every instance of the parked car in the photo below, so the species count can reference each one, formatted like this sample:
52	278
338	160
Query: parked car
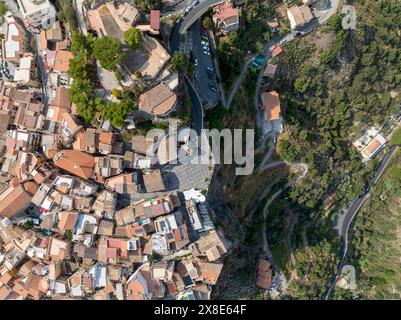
206	53
196	77
196	62
282	41
210	73
204	43
209	68
212	87
298	34
206	48
210	76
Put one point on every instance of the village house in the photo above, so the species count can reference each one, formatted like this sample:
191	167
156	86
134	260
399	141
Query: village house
226	17
272	110
370	143
75	162
299	16
15	42
158	101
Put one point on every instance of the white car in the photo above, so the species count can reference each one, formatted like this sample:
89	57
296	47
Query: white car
204	43
206	48
206	53
282	41
196	62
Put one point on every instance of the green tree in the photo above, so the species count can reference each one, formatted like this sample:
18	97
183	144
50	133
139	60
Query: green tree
3	10
108	51
179	61
133	38
81	44
207	22
80	68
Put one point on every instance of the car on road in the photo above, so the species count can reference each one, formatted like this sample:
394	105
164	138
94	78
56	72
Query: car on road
195	2
298	34
283	41
207	53
196	62
209	69
196	77
212	87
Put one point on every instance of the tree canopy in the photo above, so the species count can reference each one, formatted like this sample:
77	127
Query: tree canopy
133	38
108	51
179	61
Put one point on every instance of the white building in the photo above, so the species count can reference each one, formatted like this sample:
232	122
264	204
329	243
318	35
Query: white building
37	12
370	144
299	16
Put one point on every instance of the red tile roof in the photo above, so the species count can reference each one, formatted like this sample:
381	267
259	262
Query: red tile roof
155	19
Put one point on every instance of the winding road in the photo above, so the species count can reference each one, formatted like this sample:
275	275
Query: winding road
345	219
304	169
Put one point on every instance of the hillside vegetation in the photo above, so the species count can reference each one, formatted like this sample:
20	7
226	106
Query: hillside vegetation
333	84
377	238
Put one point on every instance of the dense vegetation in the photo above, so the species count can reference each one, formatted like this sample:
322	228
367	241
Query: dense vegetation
332	84
83	88
133	38
66	13
108	51
376	244
251	36
3	10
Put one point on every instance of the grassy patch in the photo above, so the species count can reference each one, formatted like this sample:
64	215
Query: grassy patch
396	138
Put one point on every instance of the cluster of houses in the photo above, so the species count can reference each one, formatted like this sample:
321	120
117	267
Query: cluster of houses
84	215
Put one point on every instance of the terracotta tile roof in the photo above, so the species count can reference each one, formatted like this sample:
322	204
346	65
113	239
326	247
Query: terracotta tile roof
155	19
371	148
225	11
141	145
67	220
106	137
62	60
153	181
271	104
61	99
299	15
210	271
276	51
13	200
159	100
75	162
71	123
264	274
43	40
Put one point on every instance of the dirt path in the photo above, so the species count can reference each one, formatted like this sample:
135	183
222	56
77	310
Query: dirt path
237	83
293	221
304	169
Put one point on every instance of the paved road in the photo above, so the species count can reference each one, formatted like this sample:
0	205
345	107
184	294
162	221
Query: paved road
196	13
345	219
204	61
11	5
197	108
